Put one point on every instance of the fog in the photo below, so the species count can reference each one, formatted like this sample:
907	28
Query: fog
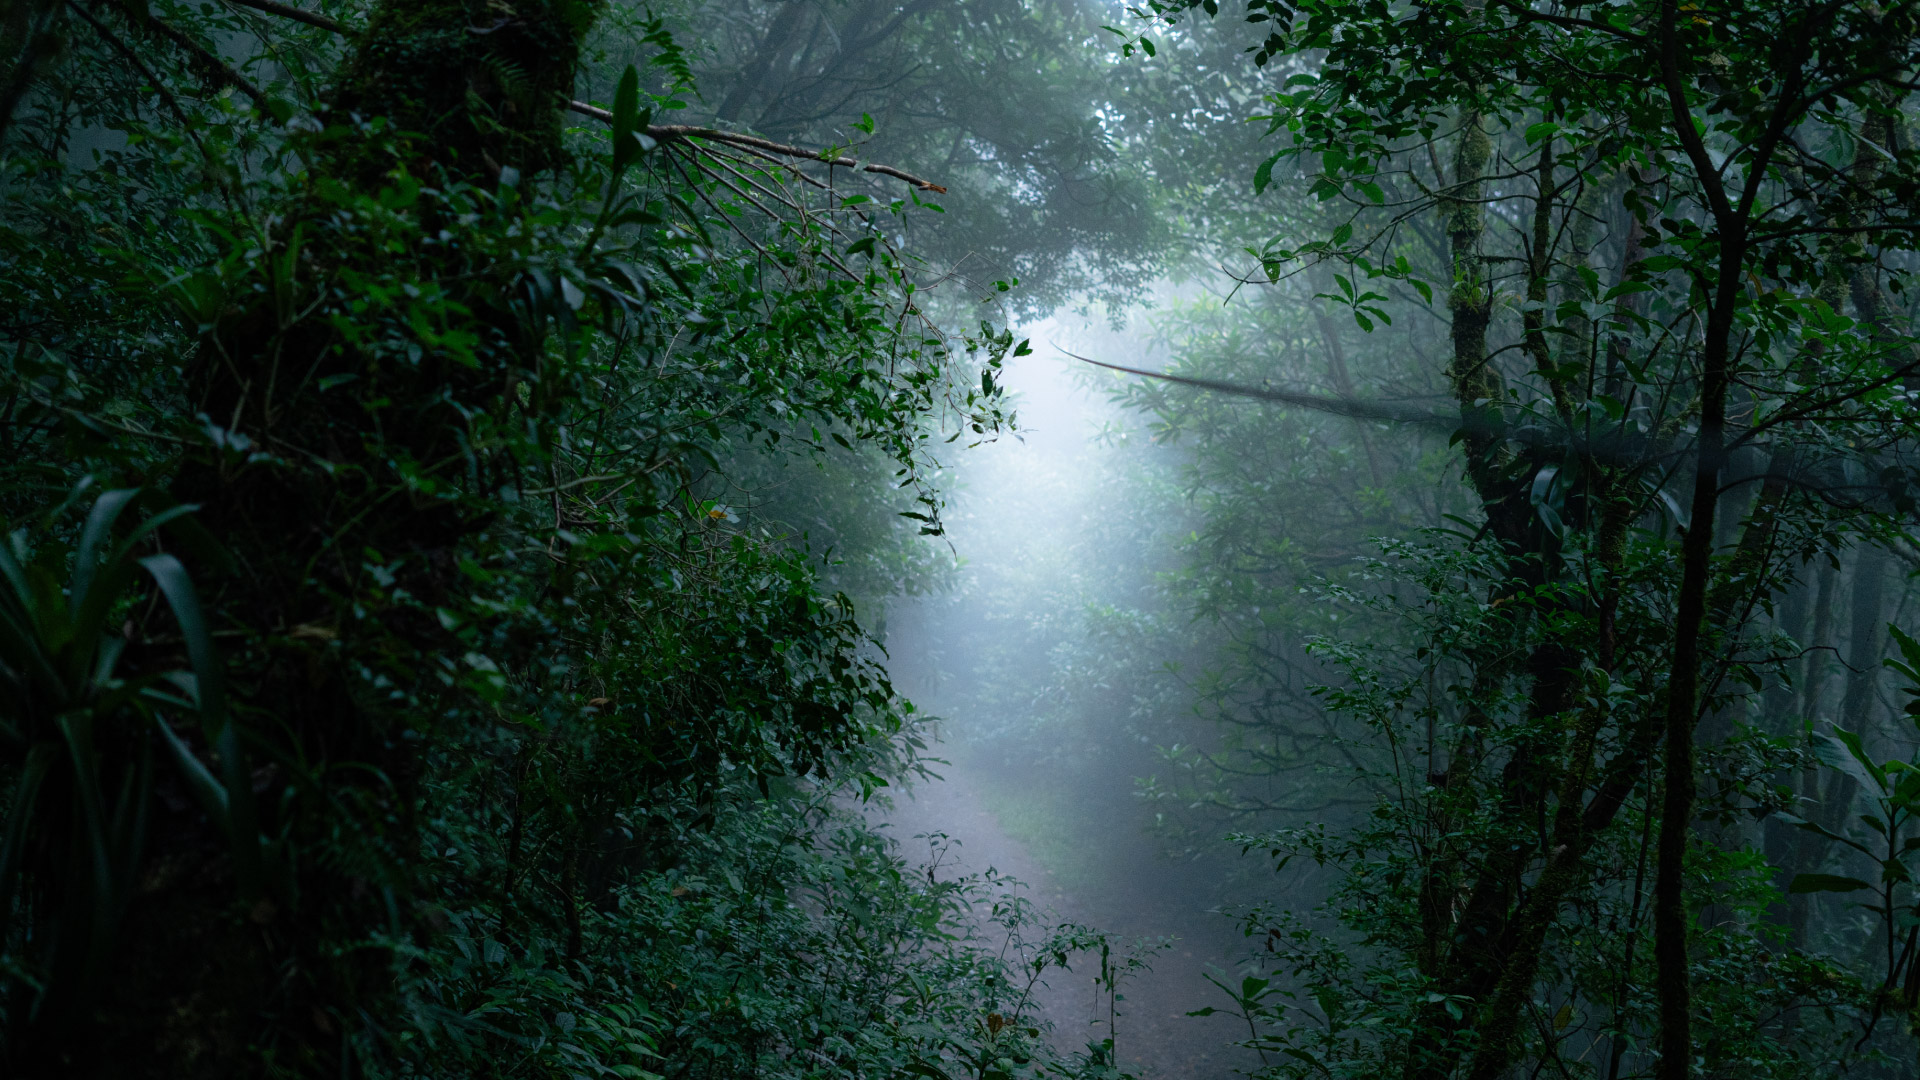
560	538
1044	752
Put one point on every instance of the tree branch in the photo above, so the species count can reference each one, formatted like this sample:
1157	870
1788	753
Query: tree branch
288	11
203	58
1568	22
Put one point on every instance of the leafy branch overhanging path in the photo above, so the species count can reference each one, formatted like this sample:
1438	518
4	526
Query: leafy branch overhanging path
663	133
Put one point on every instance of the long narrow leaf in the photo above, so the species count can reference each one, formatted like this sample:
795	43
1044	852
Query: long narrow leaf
94	536
1812	883
130	816
200	780
185	602
236	776
626	109
1821	830
13	569
148	527
93	851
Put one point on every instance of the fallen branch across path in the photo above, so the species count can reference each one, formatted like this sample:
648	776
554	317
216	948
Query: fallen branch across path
1353	408
1617	446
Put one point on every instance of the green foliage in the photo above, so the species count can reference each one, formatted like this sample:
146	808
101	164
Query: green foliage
1063	165
1580	243
1350	990
526	750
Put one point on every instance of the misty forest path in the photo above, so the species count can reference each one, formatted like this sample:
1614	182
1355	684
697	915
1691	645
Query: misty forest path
1157	1040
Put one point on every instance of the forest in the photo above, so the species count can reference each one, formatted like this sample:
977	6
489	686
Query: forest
960	539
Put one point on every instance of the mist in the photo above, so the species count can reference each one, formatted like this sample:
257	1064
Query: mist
1052	706
959	539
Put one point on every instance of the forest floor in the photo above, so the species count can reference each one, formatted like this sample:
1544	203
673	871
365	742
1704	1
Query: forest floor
1138	896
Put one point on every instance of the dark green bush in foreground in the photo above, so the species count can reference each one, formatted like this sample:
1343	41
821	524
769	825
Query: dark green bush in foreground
391	688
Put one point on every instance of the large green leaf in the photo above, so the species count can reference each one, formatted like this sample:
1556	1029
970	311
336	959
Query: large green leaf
1843	750
1813	883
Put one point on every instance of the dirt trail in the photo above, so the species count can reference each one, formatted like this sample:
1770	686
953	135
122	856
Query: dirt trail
1156	1038
1024	521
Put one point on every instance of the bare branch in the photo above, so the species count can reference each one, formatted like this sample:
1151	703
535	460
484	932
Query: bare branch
288	11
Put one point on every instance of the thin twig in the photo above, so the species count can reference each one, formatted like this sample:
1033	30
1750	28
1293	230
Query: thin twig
780	161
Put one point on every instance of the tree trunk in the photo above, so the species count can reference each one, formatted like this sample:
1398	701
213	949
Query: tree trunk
468	89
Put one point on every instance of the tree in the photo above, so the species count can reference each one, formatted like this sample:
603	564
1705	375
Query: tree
1642	223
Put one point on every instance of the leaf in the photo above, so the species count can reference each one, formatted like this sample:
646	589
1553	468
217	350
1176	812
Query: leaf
1815	827
1679	514
1842	750
94	536
1626	288
177	587
626	110
1263	175
1813	883
200	781
1543	484
1909	648
210	696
